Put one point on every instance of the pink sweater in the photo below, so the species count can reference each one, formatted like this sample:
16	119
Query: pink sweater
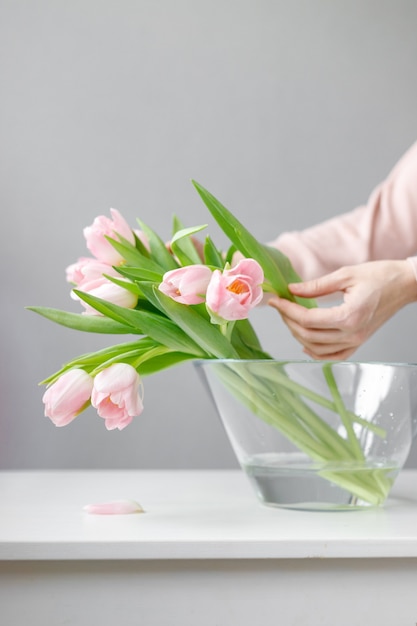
385	228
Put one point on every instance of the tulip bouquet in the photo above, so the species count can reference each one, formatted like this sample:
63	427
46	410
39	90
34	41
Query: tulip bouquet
180	301
183	300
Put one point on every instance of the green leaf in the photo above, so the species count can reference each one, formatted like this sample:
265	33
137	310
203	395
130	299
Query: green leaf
212	256
176	224
289	274
207	335
246	342
118	313
144	304
167	333
159	251
229	254
86	323
149	289
140	246
128	285
154	325
133	257
158	363
126	249
183	247
91	360
277	267
139	273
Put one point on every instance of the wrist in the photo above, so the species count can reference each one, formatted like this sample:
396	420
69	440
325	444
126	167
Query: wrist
412	260
409	279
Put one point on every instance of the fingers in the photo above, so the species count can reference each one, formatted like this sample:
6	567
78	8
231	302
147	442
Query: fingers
324	286
321	331
308	318
372	293
322	344
341	355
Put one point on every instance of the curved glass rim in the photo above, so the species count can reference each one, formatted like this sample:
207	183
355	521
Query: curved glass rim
306	362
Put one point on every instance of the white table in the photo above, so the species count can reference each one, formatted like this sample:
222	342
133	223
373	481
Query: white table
205	553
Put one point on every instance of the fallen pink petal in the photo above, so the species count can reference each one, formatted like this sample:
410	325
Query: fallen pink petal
116	507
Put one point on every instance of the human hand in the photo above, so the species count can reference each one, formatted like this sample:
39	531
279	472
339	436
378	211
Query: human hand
372	293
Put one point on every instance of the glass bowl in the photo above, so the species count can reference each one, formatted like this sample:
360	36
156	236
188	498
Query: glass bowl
316	435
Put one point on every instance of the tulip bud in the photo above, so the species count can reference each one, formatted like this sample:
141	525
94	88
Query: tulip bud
116	395
68	396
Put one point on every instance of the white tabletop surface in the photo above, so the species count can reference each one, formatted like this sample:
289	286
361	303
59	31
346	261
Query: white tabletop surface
189	515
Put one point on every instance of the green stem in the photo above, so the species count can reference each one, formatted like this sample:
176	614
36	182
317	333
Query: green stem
336	444
316	426
227	329
341	409
273	411
280	407
275	376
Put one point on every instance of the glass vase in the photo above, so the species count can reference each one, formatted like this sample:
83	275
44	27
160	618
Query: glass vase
316	435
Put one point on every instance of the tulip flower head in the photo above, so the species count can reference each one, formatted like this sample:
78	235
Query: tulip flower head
188	284
68	396
86	270
103	227
106	290
116	395
231	294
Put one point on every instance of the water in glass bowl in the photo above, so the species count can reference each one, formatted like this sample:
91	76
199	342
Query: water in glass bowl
295	481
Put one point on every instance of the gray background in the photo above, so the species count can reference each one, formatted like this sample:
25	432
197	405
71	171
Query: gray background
289	112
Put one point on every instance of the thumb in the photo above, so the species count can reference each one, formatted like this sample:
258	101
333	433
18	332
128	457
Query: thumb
324	286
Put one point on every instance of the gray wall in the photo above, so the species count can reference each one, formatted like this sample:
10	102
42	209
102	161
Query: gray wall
289	112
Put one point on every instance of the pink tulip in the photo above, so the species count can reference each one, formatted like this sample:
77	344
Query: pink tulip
187	284
116	395
68	396
88	269
231	294
74	273
96	237
106	290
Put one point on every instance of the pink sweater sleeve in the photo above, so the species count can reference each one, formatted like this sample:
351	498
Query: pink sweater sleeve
384	228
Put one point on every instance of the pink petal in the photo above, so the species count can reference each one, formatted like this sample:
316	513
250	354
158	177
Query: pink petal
117	507
249	268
